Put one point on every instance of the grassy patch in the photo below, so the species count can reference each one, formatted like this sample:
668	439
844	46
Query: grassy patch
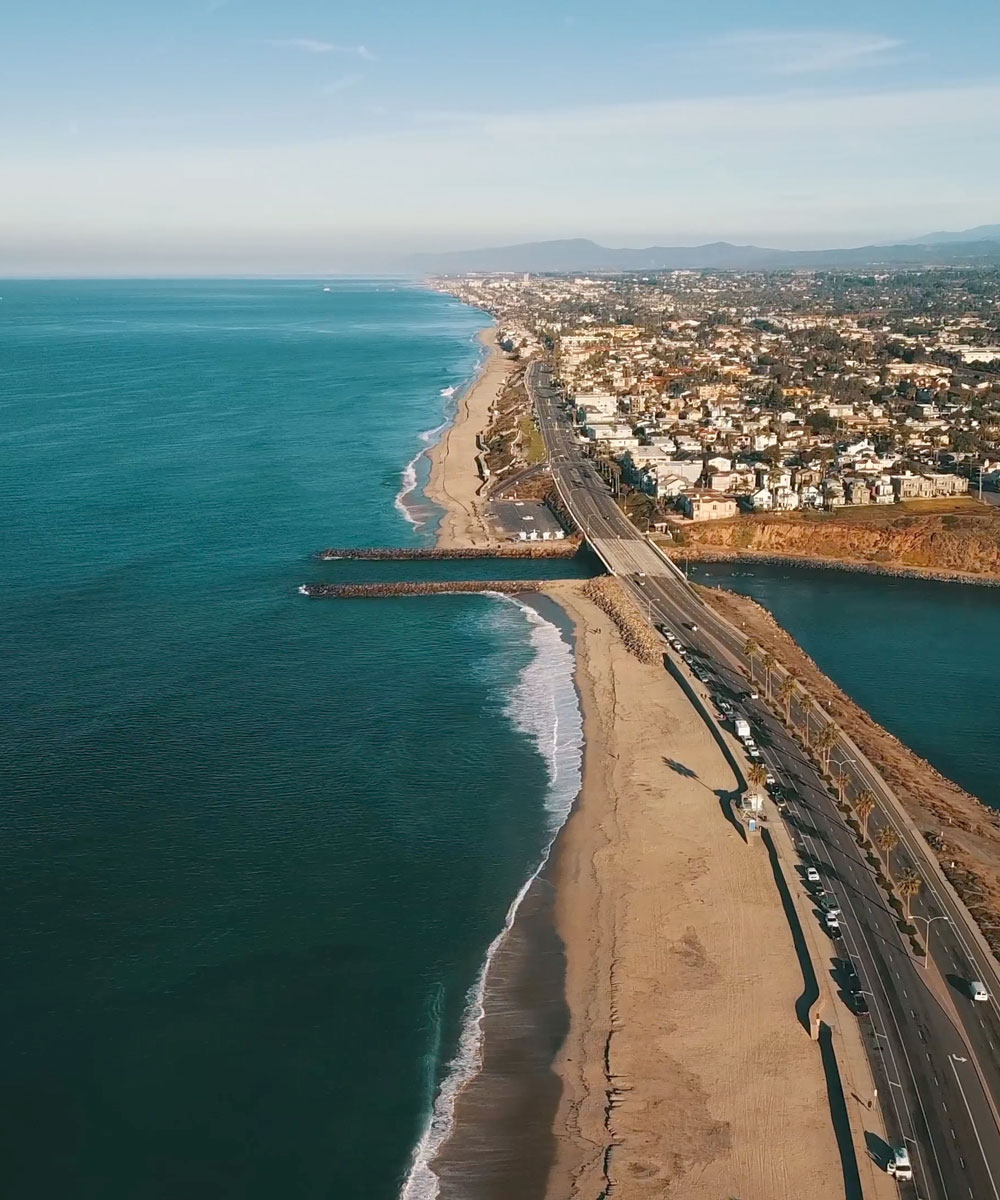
531	439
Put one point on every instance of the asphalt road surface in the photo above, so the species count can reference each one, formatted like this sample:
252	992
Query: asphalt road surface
934	1053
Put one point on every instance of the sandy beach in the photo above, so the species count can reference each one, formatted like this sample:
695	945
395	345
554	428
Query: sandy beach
685	1071
660	1053
454	481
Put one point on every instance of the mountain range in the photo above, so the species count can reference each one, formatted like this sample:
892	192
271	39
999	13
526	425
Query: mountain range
971	247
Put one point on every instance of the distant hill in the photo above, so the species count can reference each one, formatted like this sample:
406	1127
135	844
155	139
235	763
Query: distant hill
981	233
975	247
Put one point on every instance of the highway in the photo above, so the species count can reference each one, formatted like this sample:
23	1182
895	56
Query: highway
933	1052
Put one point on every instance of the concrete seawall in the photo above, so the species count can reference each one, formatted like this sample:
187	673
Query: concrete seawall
354	591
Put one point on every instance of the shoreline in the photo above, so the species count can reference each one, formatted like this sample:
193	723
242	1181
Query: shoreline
933	574
671	922
454	482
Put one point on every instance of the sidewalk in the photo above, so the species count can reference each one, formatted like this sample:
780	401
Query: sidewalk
852	1059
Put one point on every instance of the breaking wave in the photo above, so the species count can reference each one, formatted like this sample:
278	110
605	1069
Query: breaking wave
545	706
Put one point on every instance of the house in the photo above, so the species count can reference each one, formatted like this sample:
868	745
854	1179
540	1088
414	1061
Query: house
882	491
701	504
857	491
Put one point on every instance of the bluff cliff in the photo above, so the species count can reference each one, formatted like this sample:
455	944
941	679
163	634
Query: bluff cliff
965	538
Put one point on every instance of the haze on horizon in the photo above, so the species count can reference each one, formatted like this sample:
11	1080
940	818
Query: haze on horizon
245	136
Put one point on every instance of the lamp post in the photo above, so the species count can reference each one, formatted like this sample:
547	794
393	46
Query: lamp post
841	762
929	921
640	582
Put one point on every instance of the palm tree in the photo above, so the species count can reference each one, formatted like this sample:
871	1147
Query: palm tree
787	690
887	841
756	775
909	885
825	743
807	707
768	662
751	650
865	805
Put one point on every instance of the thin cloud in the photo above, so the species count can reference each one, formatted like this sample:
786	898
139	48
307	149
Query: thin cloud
339	85
315	46
811	51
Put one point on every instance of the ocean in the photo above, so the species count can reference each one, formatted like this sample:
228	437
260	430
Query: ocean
921	656
255	848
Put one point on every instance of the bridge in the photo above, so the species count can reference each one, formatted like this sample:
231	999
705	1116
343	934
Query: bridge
935	1055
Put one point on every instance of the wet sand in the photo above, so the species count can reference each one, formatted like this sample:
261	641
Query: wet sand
502	1144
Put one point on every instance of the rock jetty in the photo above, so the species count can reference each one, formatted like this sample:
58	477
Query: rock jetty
354	591
560	549
611	598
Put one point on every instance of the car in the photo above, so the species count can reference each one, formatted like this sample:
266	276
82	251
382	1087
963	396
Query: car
832	920
753	752
812	874
978	991
725	708
770	781
829	906
752	694
859	1005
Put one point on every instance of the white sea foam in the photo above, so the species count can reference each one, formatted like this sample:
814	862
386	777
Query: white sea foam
545	706
448	392
409	476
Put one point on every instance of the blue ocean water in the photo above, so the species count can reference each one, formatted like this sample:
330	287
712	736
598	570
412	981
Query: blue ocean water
921	656
253	847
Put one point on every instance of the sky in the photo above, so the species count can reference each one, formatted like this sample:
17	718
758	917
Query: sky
251	136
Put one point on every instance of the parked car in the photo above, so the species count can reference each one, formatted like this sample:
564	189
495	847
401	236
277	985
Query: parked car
860	1005
812	874
829	905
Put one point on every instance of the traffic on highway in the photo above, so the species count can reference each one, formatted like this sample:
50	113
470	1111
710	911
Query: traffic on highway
931	1025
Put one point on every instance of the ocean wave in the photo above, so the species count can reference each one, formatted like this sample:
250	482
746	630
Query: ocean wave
545	706
408	479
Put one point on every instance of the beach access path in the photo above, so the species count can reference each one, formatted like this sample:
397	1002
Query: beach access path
686	1071
454	481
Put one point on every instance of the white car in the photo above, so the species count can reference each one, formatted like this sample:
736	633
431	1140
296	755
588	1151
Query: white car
832	921
812	874
770	781
978	991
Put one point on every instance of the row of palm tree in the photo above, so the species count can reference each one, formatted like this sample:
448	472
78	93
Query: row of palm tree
886	839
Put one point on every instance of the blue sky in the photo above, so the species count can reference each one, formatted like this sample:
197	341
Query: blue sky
251	135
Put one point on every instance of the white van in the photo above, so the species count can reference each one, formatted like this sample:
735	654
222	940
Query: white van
978	991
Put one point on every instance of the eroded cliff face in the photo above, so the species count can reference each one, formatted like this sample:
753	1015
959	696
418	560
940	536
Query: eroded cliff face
966	540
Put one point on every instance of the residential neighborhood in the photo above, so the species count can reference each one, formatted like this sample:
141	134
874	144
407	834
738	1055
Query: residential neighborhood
717	394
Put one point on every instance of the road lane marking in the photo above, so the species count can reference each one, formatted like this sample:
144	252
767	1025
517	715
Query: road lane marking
975	1129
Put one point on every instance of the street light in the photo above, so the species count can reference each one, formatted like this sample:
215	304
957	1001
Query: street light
649	603
927	936
841	762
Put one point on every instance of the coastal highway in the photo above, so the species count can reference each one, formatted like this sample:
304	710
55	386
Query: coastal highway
933	1053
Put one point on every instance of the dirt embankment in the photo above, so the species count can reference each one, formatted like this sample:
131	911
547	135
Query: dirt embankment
962	831
965	539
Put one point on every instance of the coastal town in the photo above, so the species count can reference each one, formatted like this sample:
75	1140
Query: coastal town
705	396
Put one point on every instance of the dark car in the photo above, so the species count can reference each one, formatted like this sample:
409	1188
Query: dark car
860	1005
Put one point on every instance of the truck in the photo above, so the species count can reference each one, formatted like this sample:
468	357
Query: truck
898	1165
742	727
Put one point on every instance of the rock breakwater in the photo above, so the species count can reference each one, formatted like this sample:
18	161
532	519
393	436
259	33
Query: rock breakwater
560	549
611	598
353	591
